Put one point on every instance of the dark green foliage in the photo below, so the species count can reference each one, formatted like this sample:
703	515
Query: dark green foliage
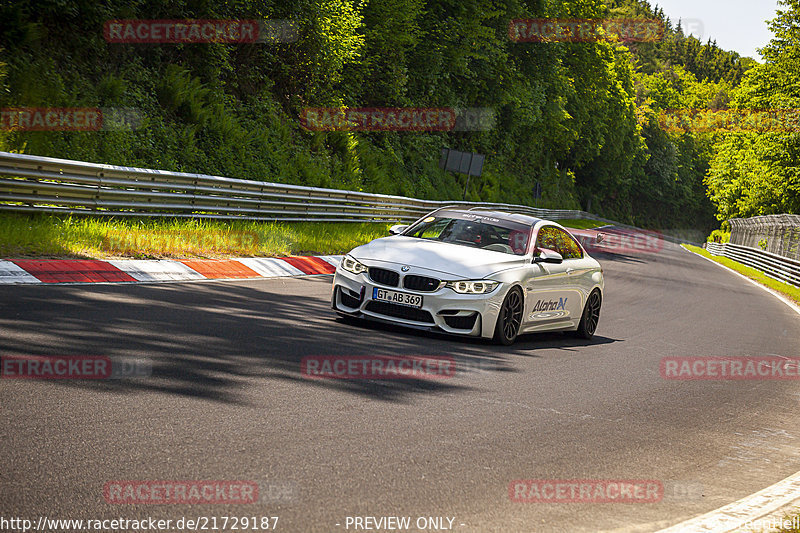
567	115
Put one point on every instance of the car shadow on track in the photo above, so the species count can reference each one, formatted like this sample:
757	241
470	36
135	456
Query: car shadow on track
522	346
212	340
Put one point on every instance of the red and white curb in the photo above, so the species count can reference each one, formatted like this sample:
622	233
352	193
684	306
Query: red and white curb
135	270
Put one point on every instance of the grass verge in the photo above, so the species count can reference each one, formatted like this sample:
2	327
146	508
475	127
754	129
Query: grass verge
790	291
106	238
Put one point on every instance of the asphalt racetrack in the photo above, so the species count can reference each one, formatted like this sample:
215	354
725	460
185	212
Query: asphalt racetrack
227	401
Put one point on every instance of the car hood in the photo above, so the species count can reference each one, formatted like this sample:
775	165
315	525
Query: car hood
460	262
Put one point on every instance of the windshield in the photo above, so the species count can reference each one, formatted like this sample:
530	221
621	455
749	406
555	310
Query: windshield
476	231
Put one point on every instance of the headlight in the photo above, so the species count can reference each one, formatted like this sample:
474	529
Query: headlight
351	265
480	286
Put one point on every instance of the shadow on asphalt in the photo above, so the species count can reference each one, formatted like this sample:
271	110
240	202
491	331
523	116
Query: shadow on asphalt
209	340
522	346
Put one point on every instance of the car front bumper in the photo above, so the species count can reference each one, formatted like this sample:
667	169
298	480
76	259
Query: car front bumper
443	309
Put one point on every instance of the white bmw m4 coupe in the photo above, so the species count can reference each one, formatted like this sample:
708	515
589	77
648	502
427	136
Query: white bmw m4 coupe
473	272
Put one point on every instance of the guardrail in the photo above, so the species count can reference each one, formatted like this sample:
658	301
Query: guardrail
42	184
773	265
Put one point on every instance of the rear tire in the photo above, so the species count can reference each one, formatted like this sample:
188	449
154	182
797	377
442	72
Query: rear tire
510	318
590	316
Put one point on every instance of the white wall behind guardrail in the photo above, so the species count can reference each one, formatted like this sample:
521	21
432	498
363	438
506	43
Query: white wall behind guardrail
780	234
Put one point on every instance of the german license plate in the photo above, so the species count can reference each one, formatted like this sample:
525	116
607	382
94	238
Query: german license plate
400	298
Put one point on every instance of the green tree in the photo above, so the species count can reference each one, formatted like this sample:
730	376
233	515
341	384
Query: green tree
757	173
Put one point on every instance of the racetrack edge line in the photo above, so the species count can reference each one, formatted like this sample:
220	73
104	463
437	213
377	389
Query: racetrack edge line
765	505
773	292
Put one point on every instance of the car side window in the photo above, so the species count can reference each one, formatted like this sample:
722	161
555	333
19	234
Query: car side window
560	241
567	246
547	239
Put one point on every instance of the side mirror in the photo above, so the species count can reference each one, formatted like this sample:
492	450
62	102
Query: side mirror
397	229
548	256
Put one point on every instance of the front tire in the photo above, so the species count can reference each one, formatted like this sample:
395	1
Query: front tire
510	318
590	316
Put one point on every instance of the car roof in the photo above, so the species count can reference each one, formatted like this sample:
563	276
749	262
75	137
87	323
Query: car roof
509	215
